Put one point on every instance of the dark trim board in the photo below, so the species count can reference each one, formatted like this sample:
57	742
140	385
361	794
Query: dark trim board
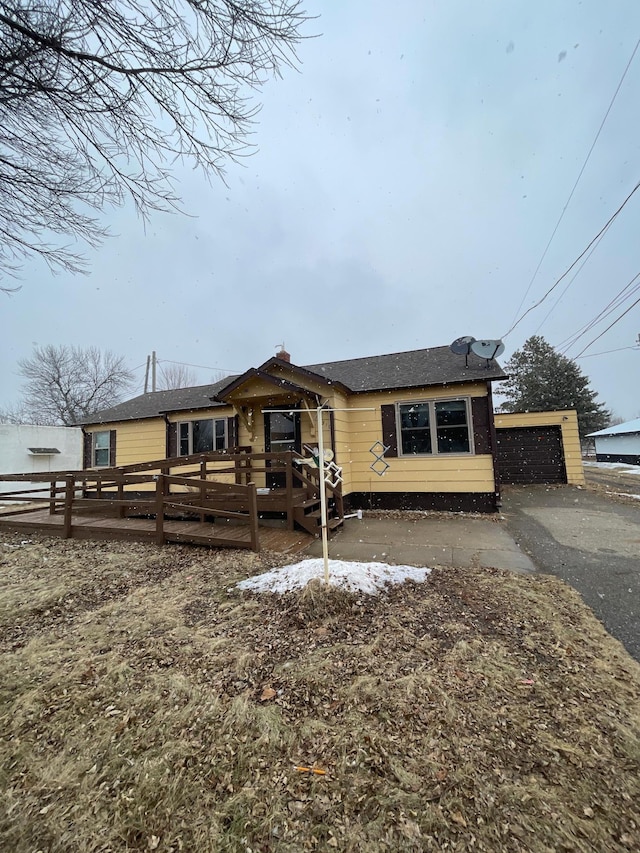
626	458
436	501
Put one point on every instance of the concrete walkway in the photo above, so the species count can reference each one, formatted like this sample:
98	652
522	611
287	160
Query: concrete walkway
451	541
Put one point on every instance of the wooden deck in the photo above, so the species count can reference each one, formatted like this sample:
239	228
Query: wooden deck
205	499
219	535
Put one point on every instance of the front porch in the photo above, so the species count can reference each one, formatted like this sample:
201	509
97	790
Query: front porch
206	499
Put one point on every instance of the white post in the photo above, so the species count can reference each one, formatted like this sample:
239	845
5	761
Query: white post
323	497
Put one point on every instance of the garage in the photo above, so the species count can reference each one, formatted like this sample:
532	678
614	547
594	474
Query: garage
539	447
532	454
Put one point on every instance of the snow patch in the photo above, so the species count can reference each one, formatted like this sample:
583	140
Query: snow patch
615	466
369	578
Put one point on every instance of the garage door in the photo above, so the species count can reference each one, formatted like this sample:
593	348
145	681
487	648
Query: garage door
531	455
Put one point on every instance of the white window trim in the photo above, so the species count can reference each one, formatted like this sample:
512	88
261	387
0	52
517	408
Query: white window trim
434	443
190	425
94	435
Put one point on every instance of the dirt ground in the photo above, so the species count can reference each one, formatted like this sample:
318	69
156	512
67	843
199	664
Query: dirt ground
146	704
616	482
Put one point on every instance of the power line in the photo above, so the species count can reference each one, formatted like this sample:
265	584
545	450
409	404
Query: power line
573	189
200	366
622	296
607	351
617	320
570	282
579	258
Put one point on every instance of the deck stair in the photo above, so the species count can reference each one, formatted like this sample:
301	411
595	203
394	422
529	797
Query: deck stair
309	517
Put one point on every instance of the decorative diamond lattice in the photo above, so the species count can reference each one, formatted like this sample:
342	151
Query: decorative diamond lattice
332	474
379	466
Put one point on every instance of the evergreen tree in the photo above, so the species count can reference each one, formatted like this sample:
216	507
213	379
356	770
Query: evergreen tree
540	379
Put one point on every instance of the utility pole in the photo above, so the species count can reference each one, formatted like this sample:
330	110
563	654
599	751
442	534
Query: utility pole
146	375
153	370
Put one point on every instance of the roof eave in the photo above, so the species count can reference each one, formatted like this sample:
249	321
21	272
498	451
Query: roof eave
439	384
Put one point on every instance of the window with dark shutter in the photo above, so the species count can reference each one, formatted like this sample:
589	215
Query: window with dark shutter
172	440
389	434
434	427
201	436
101	451
481	418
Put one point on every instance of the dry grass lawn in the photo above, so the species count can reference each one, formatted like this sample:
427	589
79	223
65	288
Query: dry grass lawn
147	705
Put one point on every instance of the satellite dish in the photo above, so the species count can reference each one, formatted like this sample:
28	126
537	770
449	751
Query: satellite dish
462	346
487	349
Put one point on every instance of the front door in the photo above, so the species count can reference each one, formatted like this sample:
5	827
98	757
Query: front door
281	433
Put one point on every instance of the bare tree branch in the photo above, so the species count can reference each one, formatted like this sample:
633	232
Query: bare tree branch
64	385
176	376
98	98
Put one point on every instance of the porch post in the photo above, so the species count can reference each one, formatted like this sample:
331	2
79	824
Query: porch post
289	485
253	517
203	477
120	497
323	497
68	504
160	510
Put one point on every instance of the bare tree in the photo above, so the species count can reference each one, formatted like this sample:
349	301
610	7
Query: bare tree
16	415
66	384
98	100
176	376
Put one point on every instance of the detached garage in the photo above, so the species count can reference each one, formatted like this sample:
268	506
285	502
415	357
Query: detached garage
539	447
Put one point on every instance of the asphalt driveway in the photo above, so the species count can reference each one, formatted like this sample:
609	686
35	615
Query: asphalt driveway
590	541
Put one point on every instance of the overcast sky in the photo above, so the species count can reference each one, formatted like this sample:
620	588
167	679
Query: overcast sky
407	180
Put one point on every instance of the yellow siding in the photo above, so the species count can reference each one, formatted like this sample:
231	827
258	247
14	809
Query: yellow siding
201	414
355	433
567	420
343	438
446	473
137	441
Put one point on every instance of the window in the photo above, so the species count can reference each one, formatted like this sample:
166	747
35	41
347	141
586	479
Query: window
437	426
202	436
101	449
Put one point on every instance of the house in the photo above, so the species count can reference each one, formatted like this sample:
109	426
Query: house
620	443
410	430
32	448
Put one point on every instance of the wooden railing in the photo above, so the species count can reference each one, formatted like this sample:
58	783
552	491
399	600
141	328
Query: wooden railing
208	503
199	491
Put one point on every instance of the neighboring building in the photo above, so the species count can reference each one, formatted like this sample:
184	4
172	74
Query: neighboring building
27	448
430	408
620	443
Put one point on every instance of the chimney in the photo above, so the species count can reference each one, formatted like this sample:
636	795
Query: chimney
283	355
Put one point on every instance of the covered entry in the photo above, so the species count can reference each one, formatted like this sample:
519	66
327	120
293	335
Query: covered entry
532	454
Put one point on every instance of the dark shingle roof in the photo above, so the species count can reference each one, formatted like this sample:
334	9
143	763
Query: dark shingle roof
413	369
155	403
434	366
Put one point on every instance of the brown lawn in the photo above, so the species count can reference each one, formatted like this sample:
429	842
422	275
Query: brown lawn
147	705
